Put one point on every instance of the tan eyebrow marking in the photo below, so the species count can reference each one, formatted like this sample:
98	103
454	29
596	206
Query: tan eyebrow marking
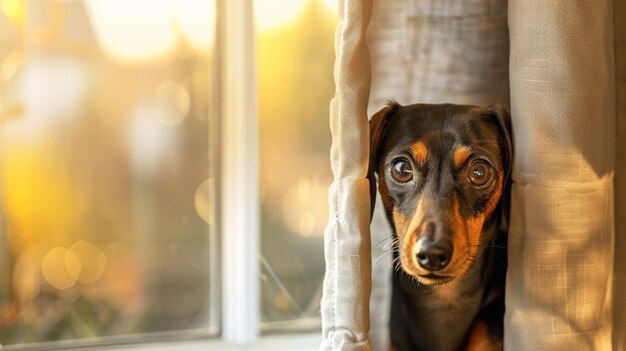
461	154
420	152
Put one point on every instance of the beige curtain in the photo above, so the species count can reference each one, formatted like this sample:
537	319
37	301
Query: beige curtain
561	232
347	283
619	304
562	85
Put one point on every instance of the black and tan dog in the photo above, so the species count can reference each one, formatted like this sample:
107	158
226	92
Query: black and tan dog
442	172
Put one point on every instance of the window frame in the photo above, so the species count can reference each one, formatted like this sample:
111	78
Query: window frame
239	171
292	342
236	67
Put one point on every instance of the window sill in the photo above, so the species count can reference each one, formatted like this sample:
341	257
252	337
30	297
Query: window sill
293	342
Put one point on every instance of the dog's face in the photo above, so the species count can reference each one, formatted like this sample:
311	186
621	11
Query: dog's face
441	171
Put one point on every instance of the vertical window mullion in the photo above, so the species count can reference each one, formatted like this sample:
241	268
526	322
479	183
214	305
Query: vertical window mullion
239	175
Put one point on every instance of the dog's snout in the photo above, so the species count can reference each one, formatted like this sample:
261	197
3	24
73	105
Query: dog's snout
434	254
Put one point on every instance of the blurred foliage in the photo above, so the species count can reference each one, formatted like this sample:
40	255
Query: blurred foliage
100	166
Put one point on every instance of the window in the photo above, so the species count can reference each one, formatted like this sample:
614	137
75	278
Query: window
111	156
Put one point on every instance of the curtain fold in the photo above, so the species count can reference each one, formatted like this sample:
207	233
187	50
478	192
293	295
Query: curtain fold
619	304
347	247
558	292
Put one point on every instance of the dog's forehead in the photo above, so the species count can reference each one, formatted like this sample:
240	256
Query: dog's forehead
435	128
440	129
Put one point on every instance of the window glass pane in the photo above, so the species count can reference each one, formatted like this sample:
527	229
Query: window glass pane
106	169
295	64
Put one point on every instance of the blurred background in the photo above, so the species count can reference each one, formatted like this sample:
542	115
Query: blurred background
109	150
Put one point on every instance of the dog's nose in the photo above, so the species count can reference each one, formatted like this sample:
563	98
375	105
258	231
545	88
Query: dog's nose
434	255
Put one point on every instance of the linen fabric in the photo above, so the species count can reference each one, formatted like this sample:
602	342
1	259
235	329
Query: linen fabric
619	295
347	245
559	282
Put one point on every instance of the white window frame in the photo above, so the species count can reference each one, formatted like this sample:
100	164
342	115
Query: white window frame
239	184
290	342
239	181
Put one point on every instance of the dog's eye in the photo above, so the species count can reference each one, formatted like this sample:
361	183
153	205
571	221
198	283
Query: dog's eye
479	173
401	171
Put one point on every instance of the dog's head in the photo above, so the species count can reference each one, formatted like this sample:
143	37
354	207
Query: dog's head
442	170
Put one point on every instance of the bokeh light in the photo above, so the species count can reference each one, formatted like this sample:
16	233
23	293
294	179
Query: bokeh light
196	19
137	30
69	77
92	259
203	201
173	100
61	268
305	208
131	30
149	137
27	278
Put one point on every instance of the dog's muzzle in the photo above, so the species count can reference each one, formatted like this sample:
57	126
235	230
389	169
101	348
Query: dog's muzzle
433	255
433	252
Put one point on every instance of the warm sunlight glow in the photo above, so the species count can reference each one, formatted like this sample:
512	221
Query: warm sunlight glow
13	9
131	30
142	29
196	19
332	6
275	13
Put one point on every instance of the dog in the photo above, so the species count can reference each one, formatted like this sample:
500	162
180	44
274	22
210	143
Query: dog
443	176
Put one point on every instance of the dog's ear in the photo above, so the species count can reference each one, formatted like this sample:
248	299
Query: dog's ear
378	125
503	120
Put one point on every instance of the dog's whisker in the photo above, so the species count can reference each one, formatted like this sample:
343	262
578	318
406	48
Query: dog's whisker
381	257
391	244
391	237
390	250
396	264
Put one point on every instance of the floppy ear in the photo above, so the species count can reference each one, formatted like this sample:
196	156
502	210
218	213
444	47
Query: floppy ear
503	121
377	132
504	125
